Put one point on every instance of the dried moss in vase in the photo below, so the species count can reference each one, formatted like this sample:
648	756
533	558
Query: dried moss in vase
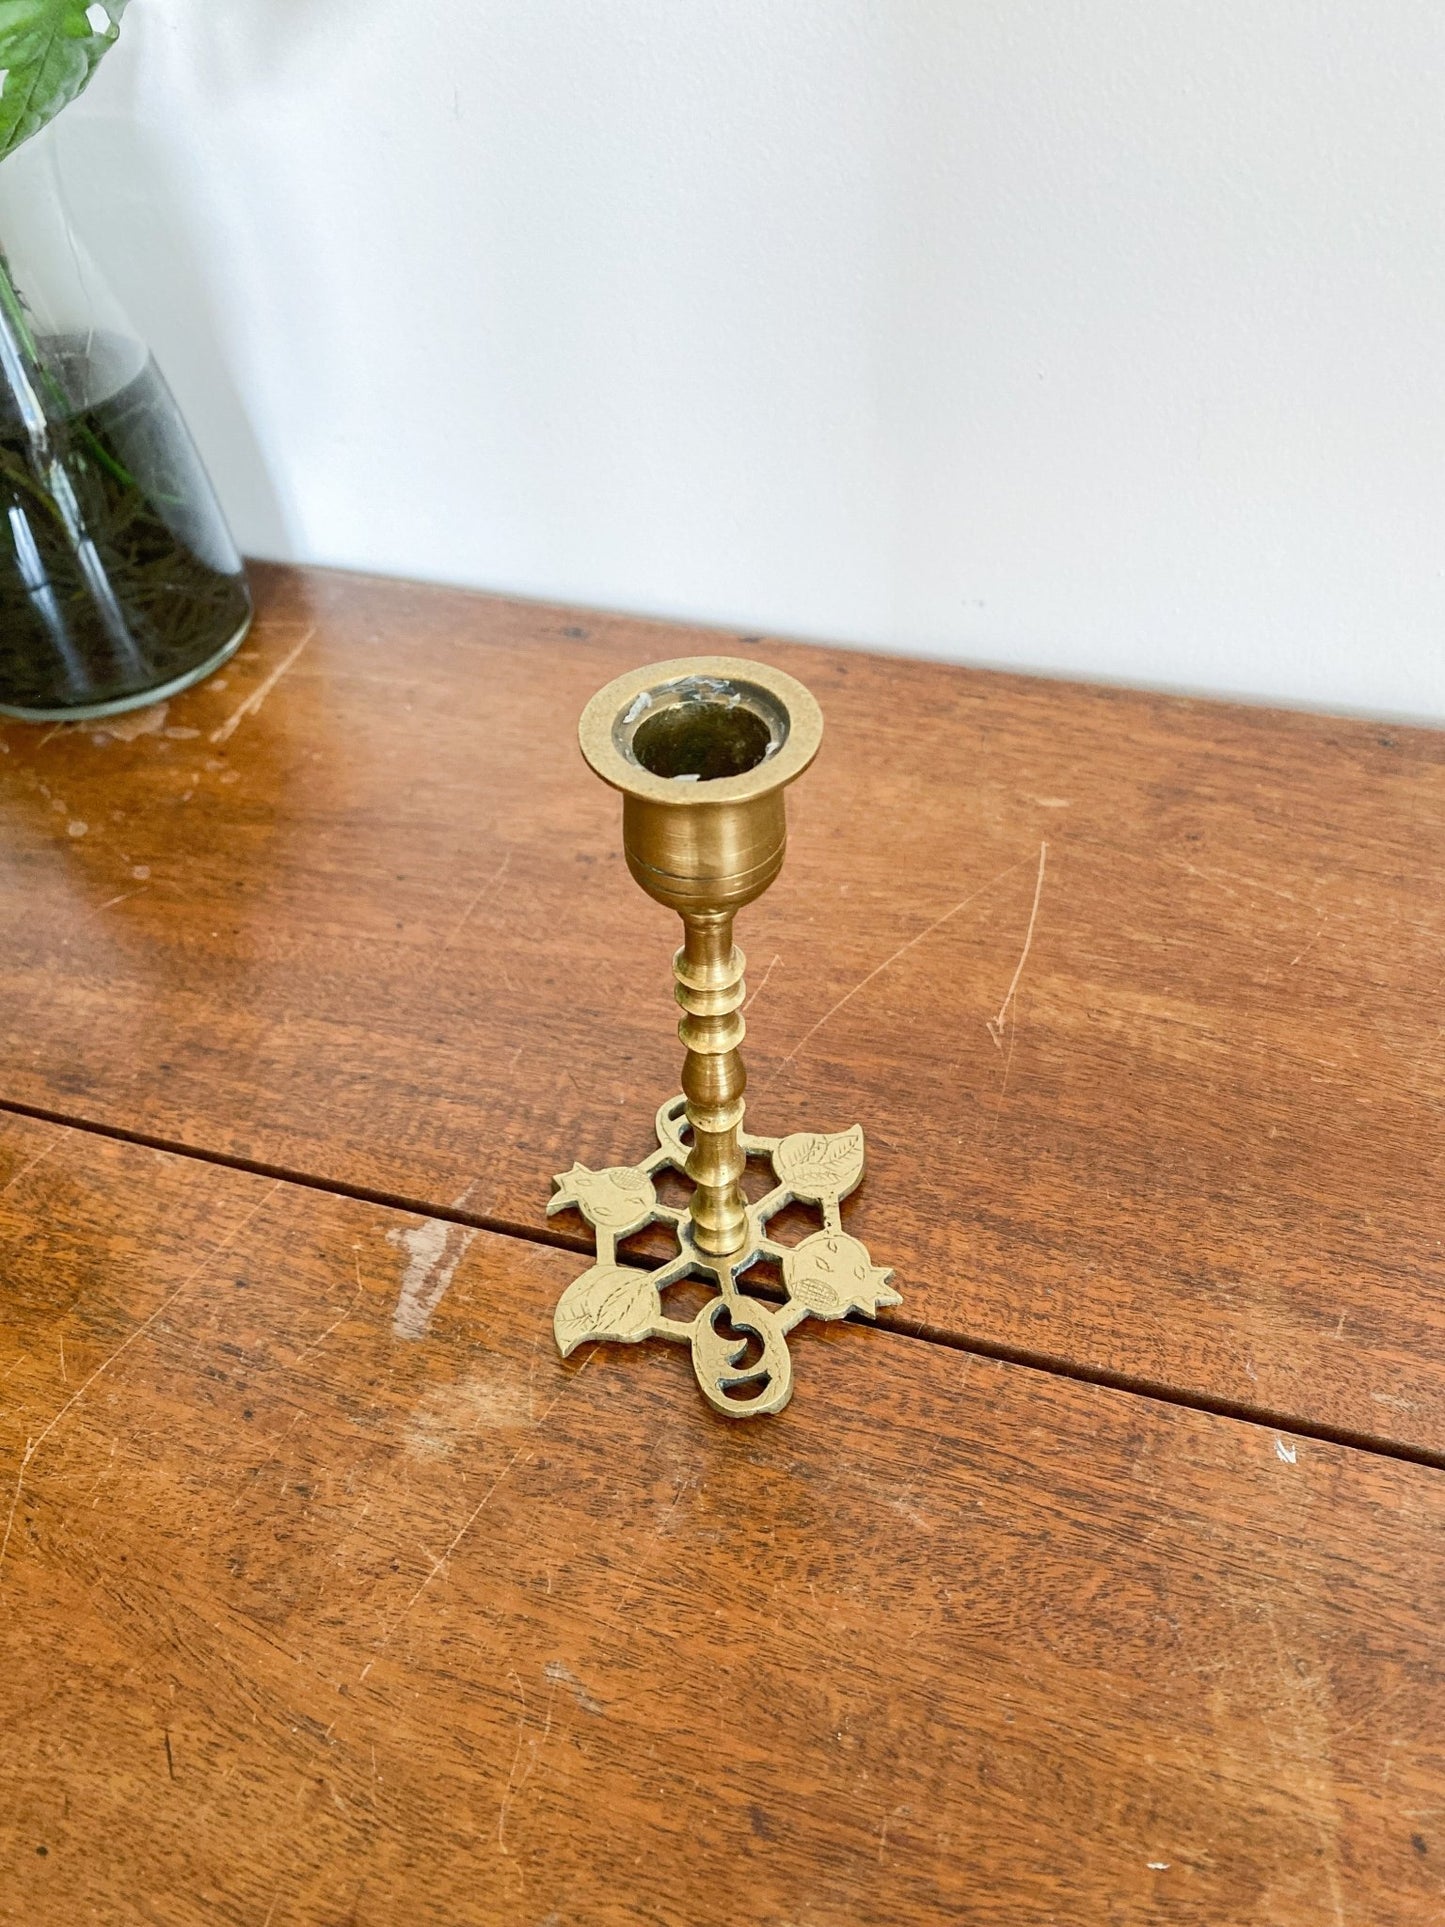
121	576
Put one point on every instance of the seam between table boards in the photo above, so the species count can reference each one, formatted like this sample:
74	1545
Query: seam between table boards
912	1331
304	1180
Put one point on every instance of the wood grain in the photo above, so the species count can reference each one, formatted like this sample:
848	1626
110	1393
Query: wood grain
307	1621
1139	1000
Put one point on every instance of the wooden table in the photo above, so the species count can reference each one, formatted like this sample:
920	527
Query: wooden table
1100	1585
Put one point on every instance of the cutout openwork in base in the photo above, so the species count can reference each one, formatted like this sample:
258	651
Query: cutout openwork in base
739	1342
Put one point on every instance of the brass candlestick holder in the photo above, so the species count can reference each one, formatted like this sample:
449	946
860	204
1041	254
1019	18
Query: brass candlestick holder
702	750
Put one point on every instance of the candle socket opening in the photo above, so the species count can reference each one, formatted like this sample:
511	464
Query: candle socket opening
701	742
702	729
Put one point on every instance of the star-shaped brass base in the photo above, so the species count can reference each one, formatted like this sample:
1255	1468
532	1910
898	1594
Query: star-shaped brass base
827	1275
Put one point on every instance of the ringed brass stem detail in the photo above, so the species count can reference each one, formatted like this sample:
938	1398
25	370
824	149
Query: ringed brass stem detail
710	988
702	750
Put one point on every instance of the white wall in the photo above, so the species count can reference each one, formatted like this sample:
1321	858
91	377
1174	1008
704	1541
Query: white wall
1098	338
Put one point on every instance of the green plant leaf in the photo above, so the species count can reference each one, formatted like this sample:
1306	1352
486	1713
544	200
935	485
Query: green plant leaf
48	51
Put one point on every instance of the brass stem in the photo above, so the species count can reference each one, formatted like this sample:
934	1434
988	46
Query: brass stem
710	989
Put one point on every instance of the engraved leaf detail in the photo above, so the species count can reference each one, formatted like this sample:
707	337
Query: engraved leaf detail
816	1166
831	1274
609	1301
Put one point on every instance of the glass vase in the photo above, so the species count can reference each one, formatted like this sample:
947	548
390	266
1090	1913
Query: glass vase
119	581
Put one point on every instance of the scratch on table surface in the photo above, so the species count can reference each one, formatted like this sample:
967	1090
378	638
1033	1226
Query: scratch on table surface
1399	1404
514	1785
902	1503
1310	945
995	1025
764	984
1396	1740
296	1418
1371	1712
484	895
27	1168
512	1770
561	1674
317	1343
532	1379
476	1512
651	1552
104	1472
259	694
1312	1772
32	1446
901	951
1224	879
